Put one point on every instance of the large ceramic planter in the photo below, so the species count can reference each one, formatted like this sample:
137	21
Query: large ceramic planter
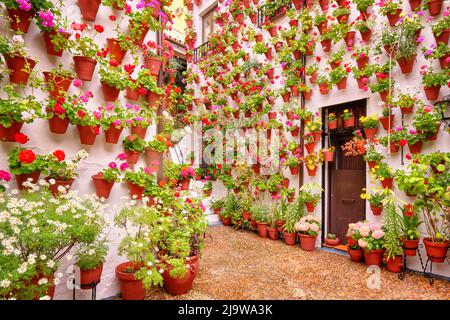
135	191
20	68
395	264
89	9
87	134
90	278
8	134
116	52
373	257
110	93
307	242
177	286
84	67
57	85
410	247
59	185
263	229
24	177
102	186
436	251
290	238
153	64
20	20
356	255
130	288
112	134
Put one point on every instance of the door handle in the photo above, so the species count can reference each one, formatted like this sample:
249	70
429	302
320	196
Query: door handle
348	200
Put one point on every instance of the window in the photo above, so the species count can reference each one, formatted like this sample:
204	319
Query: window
208	23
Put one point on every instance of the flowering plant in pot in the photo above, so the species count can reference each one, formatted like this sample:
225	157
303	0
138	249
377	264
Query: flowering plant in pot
58	81
338	76
88	124
158	145
17	59
370	125
384	173
410	234
140	22
332	121
138	180
432	81
113	79
154	93
415	140
428	121
391	9
153	59
62	110
364	27
372	242
53	27
353	235
293	164
57	225
375	198
262	216
186	174
348	118
392	226
441	30
104	180
275	183
341	13
308	228
90	258
112	121
20	13
62	172
310	194
133	146
16	110
405	102
372	156
293	213
406	46
312	161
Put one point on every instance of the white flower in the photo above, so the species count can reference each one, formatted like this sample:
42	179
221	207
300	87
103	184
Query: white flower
5	283
18	39
22	268
69	257
52	181
45	298
42	281
43	257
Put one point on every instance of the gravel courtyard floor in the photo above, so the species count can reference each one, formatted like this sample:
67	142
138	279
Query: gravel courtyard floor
241	265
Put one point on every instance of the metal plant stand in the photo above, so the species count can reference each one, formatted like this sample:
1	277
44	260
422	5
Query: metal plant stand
92	285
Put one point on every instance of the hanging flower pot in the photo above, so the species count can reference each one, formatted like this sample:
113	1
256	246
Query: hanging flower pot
84	67
372	164
58	125
393	18
310	207
406	64
387	183
289	238
132	157
317	136
115	50
153	64
435	7
415	148
268	54
374	257
8	134
185	184
152	157
110	93
350	38
384	95
102	186
177	286
273	233
341	85
59	185
310	147
362	62
322	26
307	94
432	93
326	45
414	4
135	190
294	170
350	122
307	242
324	4
90	278
356	255
407	110
87	134
154	100
311	172
376	210
295	132
433	136
286	97
20	68
395	264
332	125
112	134
443	37
328	156
444	61
366	35
263	229
89	9
57	84
50	47
24	177
371	133
410	247
256	168
20	20
393	147
140	131
436	251
130	287
324	88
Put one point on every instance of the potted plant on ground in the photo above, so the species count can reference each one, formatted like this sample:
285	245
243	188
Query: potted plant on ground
231	206
392	226
353	235
217	205
308	228
17	59
294	212
332	240
104	180
261	214
138	180
133	146
90	258
410	233
372	242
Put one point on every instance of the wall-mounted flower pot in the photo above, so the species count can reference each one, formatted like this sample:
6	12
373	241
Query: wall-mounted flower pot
326	45
324	4
109	93
87	134
59	185
153	64
24	177
295	132
273	31
311	172
140	35
20	68
362	62
154	100
350	38
102	186
433	136
343	18
307	242
310	207
387	183
395	264
436	251
332	125
376	210
310	147
371	132
393	18
185	184
256	168
387	122
366	35
8	134
356	255
289	238
435	7
90	278
57	84
286	97
444	61
393	147
156	9
328	156
116	52
20	20
58	125
414	4
324	88
407	110
268	54
317	136
374	257
432	93
443	37
384	95
415	148
130	287
140	131
372	164
112	134
132	157
406	64
135	190
89	9
350	122
262	229
341	85
294	170
50	47
84	67
410	247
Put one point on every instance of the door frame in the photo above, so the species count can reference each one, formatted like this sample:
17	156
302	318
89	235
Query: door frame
326	167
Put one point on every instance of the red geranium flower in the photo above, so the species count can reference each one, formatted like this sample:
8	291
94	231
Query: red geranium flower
60	155
21	138
99	28
81	113
27	156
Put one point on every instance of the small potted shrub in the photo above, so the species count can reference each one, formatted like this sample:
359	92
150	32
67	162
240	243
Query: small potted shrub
308	228
138	180
332	240
207	188
17	59
104	180
372	243
90	259
133	146
370	125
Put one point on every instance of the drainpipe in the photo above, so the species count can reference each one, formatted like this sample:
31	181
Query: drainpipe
159	126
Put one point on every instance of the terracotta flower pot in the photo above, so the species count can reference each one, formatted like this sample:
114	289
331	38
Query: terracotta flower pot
341	85
57	85
310	207
8	134
371	132
116	52
139	38
410	247
185	184
50	47
414	4
152	157
356	255
328	156
87	134
387	122
324	4
311	172
433	137
140	131
263	229
154	100
348	123
294	170
177	286
406	64
132	95
415	148
135	191
307	242
407	110
102	186
130	288
59	184
436	252
395	264
443	37
89	9
132	157
432	93
21	178
332	125
226	221
58	125
371	164
374	257
90	278
332	242
435	7
376	210
350	38
110	93
444	61
153	64
20	20
366	35
84	67
393	148
273	233
310	147
246	215
112	135
387	183
20	68
326	45
393	18
289	238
